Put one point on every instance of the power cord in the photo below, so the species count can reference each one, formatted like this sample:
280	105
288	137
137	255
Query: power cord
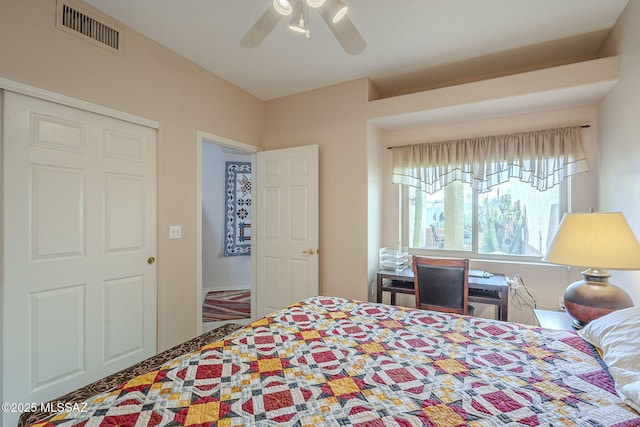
520	299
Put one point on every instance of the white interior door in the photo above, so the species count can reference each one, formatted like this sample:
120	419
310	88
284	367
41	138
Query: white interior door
79	297
287	238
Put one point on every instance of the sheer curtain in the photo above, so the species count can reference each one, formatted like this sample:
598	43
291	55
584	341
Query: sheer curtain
542	157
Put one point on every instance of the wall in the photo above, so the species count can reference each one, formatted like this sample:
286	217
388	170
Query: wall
150	81
219	271
334	118
619	125
1	240
375	219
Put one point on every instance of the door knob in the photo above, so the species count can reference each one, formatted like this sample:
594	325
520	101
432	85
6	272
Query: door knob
151	260
309	251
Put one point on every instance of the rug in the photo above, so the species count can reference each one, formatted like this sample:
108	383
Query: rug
226	305
237	209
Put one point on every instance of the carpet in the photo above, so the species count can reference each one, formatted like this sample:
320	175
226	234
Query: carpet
226	305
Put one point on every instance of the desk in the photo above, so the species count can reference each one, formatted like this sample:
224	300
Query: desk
486	290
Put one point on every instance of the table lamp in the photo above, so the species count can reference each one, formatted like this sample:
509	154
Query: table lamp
596	240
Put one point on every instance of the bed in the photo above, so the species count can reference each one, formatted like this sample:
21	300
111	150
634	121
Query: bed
332	361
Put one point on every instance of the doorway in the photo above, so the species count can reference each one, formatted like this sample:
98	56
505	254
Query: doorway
292	219
225	269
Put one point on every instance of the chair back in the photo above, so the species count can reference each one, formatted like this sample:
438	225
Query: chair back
441	284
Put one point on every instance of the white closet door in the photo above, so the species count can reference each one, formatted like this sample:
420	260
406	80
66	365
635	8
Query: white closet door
79	297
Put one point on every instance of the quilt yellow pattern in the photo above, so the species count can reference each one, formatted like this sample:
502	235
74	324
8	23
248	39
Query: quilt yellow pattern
336	362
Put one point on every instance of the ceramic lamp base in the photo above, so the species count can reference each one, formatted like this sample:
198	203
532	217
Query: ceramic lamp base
589	299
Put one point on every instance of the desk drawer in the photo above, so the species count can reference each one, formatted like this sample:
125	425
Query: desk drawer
490	297
398	286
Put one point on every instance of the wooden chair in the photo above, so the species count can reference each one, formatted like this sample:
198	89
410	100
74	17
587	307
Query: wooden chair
442	285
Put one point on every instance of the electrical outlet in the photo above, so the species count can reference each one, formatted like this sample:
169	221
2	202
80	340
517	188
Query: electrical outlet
175	232
373	289
561	303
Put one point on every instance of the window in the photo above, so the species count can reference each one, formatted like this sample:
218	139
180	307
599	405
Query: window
512	219
496	196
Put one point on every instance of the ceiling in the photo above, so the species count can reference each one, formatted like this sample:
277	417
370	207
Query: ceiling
411	44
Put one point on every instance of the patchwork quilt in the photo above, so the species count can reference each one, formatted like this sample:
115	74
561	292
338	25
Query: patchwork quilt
335	362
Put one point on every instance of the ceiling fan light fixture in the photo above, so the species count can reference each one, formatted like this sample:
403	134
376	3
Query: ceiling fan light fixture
315	3
299	19
332	12
339	11
297	28
283	7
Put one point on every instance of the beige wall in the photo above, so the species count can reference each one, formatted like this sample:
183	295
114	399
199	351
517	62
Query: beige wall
619	125
150	81
375	193
335	119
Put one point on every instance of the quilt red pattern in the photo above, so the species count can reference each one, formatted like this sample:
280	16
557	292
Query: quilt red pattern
335	362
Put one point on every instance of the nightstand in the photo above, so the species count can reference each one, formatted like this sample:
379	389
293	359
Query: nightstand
553	319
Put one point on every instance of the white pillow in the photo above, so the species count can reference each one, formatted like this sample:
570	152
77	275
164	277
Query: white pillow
617	335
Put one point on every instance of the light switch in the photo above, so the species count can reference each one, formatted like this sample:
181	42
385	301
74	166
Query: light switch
175	232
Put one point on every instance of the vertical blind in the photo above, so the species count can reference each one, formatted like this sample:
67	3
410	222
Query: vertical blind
542	158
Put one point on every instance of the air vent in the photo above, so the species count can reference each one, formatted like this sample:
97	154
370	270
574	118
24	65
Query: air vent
76	21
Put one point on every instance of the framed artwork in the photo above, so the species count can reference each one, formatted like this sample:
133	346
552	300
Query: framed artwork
237	208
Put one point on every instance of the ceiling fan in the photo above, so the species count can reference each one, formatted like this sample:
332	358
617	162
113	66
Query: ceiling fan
333	12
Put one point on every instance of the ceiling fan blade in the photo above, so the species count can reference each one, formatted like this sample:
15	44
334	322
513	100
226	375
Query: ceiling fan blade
345	32
261	29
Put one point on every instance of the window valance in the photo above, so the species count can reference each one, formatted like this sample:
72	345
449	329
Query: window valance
542	157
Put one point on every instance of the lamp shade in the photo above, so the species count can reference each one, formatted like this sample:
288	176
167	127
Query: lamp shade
601	240
598	239
315	3
336	10
340	12
283	7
